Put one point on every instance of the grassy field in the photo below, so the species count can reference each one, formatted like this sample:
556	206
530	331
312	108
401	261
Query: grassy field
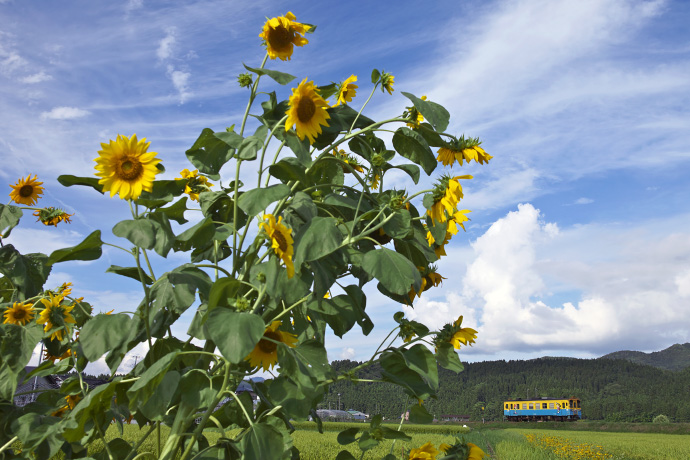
516	442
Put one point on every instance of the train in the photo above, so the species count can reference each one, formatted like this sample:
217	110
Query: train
542	409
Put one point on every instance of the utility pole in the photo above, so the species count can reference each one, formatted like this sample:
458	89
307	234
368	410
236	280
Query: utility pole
338	401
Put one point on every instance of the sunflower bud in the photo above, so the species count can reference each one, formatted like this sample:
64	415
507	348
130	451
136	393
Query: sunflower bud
245	80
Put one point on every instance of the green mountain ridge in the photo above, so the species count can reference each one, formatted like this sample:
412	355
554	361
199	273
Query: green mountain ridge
611	388
674	358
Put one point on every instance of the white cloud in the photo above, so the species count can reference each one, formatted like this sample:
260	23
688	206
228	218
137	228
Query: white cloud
584	200
36	78
165	46
532	287
64	113
133	5
180	81
347	353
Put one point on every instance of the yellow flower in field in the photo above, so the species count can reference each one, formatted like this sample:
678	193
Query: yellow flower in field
456	219
307	111
415	116
282	34
125	167
19	313
55	316
375	181
463	149
429	279
60	412
426	452
26	191
52	216
65	289
348	159
195	183
464	335
281	240
265	353
447	195
72	400
444	447
347	90
387	81
475	452
48	356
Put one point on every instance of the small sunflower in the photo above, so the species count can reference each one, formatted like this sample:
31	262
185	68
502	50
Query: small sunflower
281	240
55	316
475	452
282	34
195	183
19	313
387	81
125	167
375	181
307	111
348	159
426	452
72	400
265	353
429	279
347	90
447	195
463	149
48	356
464	335
26	191
414	115
52	216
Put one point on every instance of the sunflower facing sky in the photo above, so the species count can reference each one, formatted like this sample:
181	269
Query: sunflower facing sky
265	353
26	191
282	34
125	167
281	240
19	313
347	90
55	316
307	111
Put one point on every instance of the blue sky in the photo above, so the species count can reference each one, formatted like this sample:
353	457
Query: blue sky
579	243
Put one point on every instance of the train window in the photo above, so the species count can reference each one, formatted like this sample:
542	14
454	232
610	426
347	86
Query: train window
565	404
531	405
550	405
543	405
517	406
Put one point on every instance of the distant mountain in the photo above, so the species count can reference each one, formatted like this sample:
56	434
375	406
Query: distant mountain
674	358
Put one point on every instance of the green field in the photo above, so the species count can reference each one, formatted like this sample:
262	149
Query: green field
516	443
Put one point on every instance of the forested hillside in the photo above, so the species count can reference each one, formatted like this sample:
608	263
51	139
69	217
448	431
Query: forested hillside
674	358
610	389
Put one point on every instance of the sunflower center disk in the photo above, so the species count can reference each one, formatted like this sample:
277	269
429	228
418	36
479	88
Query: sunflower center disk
129	168
26	191
306	109
280	38
280	239
266	345
20	314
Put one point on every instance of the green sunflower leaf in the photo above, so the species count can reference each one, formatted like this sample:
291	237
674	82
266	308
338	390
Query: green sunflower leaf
288	169
9	218
261	442
89	249
411	170
140	232
254	201
129	272
414	147
435	113
235	334
212	150
394	271
448	358
175	211
102	333
250	145
68	180
317	239
280	77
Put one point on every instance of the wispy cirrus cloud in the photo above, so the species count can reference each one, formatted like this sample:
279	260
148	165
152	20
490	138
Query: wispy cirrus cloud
64	113
36	78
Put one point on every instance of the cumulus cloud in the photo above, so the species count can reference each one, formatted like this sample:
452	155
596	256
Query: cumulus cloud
64	113
347	353
36	78
180	81
533	287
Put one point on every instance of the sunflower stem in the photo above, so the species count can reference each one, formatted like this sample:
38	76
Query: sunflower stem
275	157
148	263
146	296
8	444
291	307
118	247
246	415
360	110
402	419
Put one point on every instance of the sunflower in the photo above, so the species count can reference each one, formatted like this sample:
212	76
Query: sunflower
282	34
463	149
72	400
19	313
375	181
347	90
348	159
55	316
429	279
444	447
464	335
307	111
415	116
48	356
265	353
52	216
447	195
387	82
195	183
475	452
426	452
26	191
125	167
281	240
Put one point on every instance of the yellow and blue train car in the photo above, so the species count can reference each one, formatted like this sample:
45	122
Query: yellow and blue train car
543	409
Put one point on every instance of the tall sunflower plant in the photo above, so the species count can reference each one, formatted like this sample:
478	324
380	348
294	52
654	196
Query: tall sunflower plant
278	263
